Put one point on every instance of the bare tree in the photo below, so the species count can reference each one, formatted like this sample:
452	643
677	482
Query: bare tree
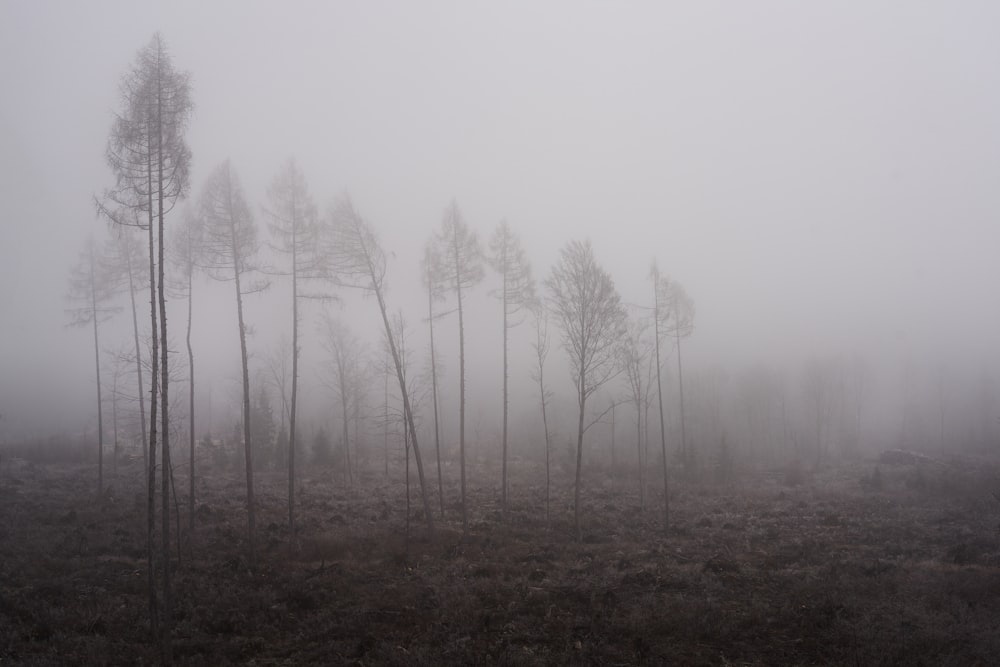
187	242
293	225
150	160
589	311
359	262
541	347
90	289
126	256
634	359
517	293
228	253
461	267
346	362
680	324
431	263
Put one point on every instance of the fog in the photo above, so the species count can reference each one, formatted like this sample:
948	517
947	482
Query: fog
821	179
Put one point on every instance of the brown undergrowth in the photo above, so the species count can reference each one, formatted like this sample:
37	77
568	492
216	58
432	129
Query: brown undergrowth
834	570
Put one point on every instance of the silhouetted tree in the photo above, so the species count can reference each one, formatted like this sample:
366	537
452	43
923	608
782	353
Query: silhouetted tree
679	324
661	313
634	360
430	265
293	226
150	160
541	347
346	363
90	289
589	311
517	293
228	253
460	267
359	261
187	242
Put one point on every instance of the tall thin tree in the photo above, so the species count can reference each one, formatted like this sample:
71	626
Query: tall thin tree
541	347
589	311
517	293
292	224
90	290
460	268
359	262
228	253
431	264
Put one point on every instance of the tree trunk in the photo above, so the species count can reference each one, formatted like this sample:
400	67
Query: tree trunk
154	385
97	362
434	393
164	393
504	465
659	400
680	380
191	435
579	453
295	384
138	363
407	411
461	402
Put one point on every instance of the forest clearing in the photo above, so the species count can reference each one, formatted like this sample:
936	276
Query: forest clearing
840	566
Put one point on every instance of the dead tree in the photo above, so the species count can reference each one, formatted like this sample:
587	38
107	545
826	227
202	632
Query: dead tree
431	264
541	347
589	311
634	357
150	161
517	293
460	268
187	243
359	262
90	290
228	253
293	226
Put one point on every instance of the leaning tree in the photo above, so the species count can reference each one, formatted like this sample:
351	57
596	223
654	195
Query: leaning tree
358	260
588	309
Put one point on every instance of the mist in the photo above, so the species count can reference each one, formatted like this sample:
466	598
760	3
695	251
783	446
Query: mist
820	179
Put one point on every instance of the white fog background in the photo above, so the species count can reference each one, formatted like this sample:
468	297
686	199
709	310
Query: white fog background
822	178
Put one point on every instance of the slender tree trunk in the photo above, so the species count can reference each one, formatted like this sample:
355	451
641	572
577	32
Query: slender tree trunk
638	456
579	452
385	419
191	435
343	407
295	383
461	402
434	393
97	362
247	443
138	363
659	397
164	393
406	452
613	462
548	473
680	381
154	385
114	421
407	411
505	378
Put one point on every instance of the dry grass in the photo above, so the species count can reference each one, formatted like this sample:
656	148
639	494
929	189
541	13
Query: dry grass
828	571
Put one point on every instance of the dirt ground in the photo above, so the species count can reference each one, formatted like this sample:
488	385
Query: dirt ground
843	568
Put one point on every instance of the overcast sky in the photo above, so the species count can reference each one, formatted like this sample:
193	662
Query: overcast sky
822	177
